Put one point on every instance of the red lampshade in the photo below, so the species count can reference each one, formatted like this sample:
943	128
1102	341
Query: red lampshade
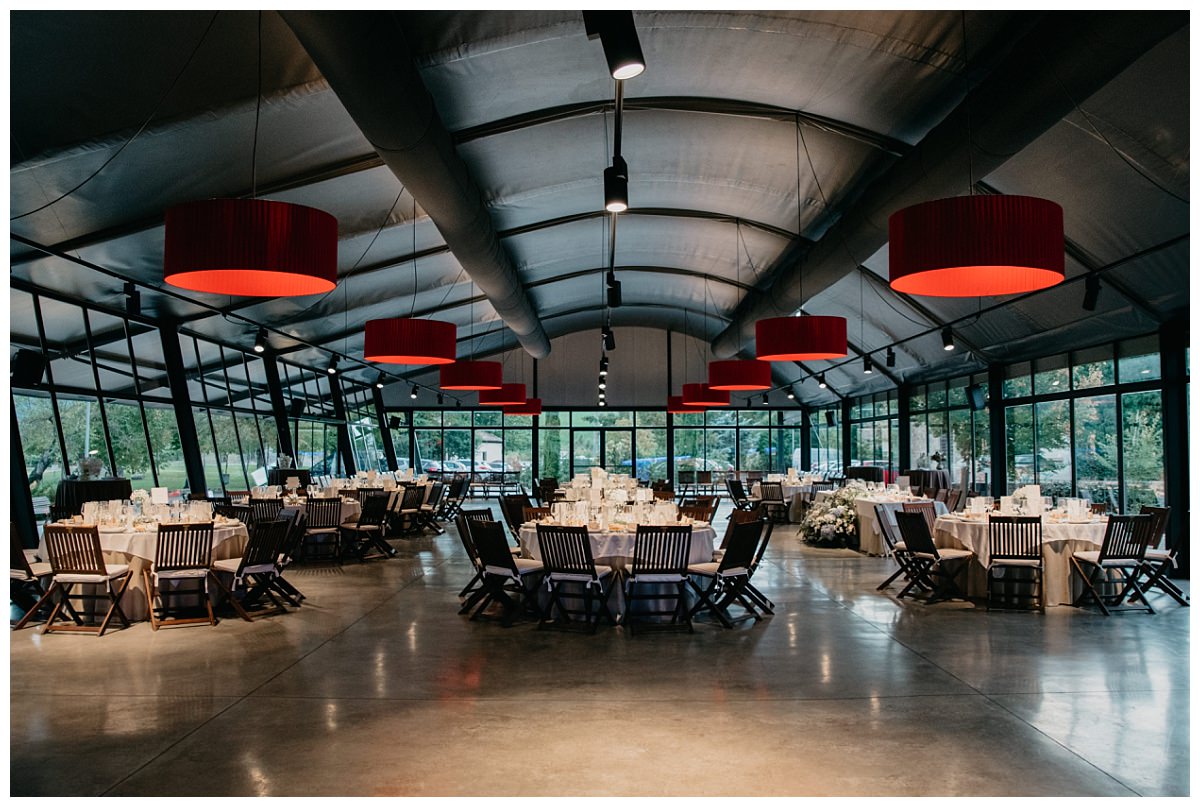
737	374
250	248
471	375
976	246
704	395
401	340
800	338
532	406
676	406
507	395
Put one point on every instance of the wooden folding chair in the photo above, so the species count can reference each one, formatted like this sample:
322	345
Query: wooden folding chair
896	548
771	496
567	559
183	553
264	509
77	559
1015	542
729	579
737	494
535	514
503	574
1158	562
930	565
1123	552
255	569
660	559
427	512
359	536
26	581
322	537
928	511
289	553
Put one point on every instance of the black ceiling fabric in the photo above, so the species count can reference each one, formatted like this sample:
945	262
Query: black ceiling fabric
754	141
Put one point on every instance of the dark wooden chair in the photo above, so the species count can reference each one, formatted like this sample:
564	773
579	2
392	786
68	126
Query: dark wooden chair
359	536
1159	561
182	554
77	559
928	511
1015	543
567	560
264	509
240	512
427	512
775	506
535	514
1123	552
322	537
289	553
503	579
660	559
737	494
729	578
26	581
896	547
462	524
405	517
930	566
512	506
255	570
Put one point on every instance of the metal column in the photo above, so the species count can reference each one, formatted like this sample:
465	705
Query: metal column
177	381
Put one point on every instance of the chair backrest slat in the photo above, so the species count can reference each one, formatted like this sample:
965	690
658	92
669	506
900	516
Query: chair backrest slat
492	545
1160	516
265	509
927	510
1126	537
1015	537
740	553
183	546
74	549
565	550
771	492
323	513
265	544
374	509
661	550
914	529
414	496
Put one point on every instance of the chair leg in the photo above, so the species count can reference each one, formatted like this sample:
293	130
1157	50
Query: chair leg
23	621
1089	588
471	586
233	600
149	583
116	603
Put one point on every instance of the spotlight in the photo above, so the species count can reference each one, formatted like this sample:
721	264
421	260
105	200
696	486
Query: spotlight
332	368
379	382
602	383
616	186
947	339
614	294
867	368
602	403
260	340
604	365
413	394
791	395
441	399
821	381
765	400
1091	292
602	396
891	358
610	341
618	37
133	299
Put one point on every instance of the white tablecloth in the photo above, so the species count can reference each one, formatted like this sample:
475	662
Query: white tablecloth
137	550
870	538
351	508
1059	541
789	496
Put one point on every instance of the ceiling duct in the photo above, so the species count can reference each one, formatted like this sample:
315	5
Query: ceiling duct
365	59
1066	57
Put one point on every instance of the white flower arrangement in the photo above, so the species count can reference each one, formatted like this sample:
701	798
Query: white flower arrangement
140	496
833	519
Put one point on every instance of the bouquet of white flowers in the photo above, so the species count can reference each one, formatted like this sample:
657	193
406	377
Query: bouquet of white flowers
832	520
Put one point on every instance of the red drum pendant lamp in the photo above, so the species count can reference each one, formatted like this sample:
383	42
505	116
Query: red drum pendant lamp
704	395
739	375
800	338
531	406
676	406
250	248
976	246
471	375
403	340
507	395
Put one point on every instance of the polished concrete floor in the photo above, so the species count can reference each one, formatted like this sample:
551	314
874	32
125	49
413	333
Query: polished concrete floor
376	687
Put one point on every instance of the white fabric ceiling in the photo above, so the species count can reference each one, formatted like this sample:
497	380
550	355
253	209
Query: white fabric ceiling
710	141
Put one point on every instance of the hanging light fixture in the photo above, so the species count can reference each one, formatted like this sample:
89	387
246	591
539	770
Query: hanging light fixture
821	381
739	375
507	395
403	340
531	406
801	338
441	399
1091	292
616	186
471	375
676	406
260	340
704	395
976	246
413	394
947	338
332	368
868	368
890	359
250	248
604	365
791	395
619	38
379	382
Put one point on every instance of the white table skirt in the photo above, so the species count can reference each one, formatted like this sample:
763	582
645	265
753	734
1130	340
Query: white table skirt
618	546
1059	541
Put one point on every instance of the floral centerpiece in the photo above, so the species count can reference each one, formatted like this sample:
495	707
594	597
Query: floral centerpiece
831	521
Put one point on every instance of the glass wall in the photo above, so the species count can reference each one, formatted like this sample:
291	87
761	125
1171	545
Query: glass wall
825	446
875	432
947	431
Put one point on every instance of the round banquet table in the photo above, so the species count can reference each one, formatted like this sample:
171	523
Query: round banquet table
1059	541
615	548
870	534
137	549
789	496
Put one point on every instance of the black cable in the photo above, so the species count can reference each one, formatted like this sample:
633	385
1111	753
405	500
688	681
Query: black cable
141	128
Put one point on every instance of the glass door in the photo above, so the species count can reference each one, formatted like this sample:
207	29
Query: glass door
586	449
618	451
607	448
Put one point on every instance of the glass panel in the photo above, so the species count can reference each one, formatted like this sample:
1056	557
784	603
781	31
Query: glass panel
693	419
689	447
753	417
429	450
1018	435
554	444
958	391
208	454
1051	376
585	450
455	418
1096	449
918	441
721	416
618	451
1053	448
916	401
937	395
39	441
1142	457
939	447
720	447
651	452
983	452
270	438
960	445
168	452
129	443
755	450
456	452
1093	368
603	418
518	453
83	430
1139	360
1016	381
489	417
655	418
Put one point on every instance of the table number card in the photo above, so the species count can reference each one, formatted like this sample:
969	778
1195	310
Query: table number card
158	495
